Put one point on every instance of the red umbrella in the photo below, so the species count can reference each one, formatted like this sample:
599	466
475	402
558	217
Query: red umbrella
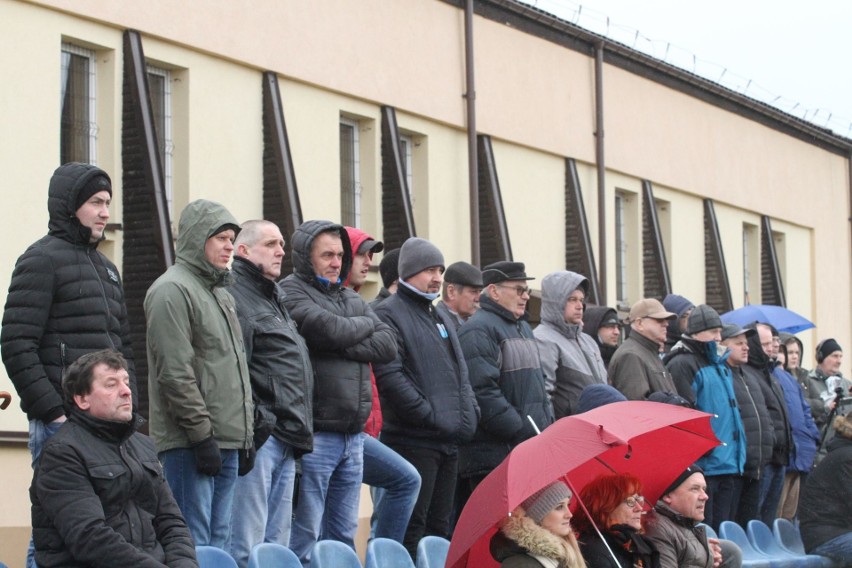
650	440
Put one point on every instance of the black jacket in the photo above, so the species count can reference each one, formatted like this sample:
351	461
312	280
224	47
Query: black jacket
65	300
426	396
592	318
759	432
760	367
282	380
824	502
505	372
629	546
99	498
342	333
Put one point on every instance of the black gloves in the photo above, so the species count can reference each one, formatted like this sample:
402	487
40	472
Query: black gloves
246	460
208	461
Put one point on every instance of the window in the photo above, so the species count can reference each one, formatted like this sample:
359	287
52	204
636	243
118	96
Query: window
751	264
350	174
160	87
620	251
78	128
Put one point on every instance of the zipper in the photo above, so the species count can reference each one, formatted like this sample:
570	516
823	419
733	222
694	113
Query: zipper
103	297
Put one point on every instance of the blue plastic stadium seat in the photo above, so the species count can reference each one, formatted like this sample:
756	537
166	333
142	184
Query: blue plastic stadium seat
333	554
271	555
789	538
212	557
432	552
762	539
730	530
387	553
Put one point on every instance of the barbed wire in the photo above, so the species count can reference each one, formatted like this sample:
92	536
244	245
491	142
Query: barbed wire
670	53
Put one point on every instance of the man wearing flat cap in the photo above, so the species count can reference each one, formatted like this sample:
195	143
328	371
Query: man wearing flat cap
505	371
636	369
460	292
428	406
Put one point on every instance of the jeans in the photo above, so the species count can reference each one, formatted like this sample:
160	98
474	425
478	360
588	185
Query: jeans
40	433
204	501
838	549
397	485
434	508
771	485
721	505
329	492
264	500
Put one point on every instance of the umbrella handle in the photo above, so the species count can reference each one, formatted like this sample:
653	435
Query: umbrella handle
5	399
535	427
592	521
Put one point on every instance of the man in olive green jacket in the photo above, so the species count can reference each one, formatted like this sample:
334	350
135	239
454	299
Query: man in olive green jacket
199	388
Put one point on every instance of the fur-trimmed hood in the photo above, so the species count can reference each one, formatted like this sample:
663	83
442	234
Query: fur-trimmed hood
521	535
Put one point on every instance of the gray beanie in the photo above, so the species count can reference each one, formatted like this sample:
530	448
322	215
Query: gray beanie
702	318
417	255
544	500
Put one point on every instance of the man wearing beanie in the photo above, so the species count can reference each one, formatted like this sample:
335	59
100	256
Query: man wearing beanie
571	360
681	307
428	406
825	379
824	504
702	377
602	325
65	299
460	292
344	337
389	272
505	371
673	526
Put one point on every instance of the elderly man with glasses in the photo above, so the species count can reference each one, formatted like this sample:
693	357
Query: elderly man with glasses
505	371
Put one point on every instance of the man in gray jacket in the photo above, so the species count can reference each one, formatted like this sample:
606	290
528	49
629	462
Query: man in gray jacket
282	388
199	388
570	359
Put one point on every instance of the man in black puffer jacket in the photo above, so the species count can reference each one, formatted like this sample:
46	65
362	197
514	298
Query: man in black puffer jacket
343	336
505	372
98	494
428	405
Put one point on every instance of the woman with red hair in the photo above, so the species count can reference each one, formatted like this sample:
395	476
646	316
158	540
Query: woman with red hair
615	506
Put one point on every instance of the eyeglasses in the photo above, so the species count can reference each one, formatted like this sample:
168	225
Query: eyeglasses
574	299
521	290
634	500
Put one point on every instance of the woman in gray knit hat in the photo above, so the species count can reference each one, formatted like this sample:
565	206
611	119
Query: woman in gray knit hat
538	533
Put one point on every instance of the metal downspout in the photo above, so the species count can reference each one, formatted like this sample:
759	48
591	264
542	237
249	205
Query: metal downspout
599	158
473	165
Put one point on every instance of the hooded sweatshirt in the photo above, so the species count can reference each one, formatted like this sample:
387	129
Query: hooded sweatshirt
592	318
198	379
65	300
343	334
570	359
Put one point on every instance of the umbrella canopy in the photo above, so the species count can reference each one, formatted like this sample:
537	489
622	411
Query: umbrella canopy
779	317
650	440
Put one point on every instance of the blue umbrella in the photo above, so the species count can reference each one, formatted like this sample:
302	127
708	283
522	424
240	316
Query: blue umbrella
778	317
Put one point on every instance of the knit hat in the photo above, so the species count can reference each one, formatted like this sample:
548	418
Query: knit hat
677	304
417	255
544	500
97	184
703	318
593	396
463	274
825	348
388	268
682	477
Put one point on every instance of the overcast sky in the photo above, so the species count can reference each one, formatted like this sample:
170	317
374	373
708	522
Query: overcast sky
785	53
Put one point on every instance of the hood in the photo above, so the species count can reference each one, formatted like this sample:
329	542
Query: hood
786	337
302	241
199	221
593	316
555	289
65	186
356	238
521	534
756	356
